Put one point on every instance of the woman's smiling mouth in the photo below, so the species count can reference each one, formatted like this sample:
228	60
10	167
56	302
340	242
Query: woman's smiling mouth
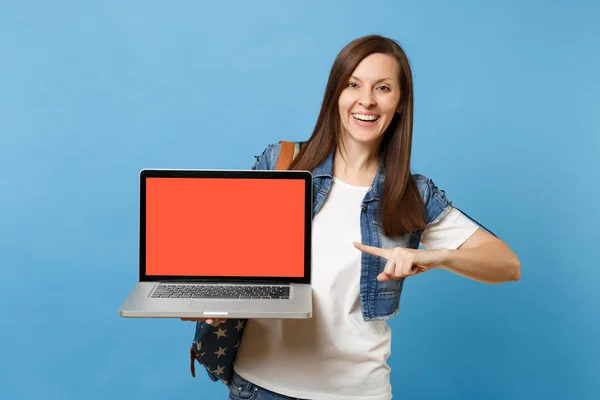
365	119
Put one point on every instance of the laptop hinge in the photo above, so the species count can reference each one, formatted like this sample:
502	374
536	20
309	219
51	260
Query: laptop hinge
215	281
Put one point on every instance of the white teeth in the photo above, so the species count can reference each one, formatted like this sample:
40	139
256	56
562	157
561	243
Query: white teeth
364	117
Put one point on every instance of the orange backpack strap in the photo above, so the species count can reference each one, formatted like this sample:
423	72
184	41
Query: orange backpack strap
286	155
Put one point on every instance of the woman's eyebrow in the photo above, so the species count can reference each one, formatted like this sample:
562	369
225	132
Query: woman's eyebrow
376	82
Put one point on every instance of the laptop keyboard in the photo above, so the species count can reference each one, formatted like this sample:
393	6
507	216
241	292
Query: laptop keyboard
221	292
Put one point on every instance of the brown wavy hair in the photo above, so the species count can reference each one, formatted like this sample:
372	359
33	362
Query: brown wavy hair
402	207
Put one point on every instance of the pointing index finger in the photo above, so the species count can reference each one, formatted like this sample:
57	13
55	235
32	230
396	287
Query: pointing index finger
375	251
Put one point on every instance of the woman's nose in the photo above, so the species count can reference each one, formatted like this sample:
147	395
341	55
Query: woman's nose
366	99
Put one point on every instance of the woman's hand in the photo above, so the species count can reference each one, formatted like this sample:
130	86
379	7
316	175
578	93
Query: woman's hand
210	321
403	262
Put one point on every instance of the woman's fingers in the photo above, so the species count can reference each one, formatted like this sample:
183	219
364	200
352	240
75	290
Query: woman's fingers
390	268
210	321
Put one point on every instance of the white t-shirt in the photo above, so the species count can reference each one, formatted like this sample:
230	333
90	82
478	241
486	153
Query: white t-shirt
335	354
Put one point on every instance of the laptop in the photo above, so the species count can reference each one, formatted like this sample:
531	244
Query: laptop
223	244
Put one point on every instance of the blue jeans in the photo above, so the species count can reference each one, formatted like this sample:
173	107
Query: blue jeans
241	389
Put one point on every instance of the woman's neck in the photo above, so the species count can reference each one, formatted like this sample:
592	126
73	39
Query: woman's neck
356	163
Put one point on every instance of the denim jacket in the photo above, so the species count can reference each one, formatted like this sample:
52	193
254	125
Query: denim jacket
379	300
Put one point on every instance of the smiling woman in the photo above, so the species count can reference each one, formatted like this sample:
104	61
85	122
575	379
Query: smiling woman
370	215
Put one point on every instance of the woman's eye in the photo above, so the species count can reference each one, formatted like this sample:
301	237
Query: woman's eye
384	88
352	85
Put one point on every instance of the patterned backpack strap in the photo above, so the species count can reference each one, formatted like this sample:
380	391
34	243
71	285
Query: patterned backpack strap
215	348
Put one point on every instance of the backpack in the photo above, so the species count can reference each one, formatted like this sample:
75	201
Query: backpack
215	347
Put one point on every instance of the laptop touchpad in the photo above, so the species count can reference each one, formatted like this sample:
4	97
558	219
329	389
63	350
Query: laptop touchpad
201	304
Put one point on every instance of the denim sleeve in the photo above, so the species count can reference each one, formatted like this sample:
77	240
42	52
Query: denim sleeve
267	160
437	205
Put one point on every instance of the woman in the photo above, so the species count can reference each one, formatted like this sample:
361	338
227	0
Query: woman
370	214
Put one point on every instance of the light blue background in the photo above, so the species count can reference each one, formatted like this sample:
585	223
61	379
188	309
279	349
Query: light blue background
507	122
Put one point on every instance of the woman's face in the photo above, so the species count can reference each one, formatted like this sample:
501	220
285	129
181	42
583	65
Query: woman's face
370	99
